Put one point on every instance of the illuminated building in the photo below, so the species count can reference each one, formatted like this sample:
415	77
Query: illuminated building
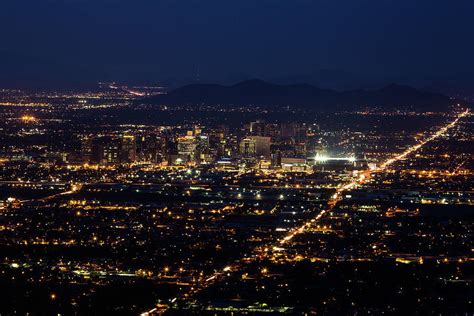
128	149
262	145
248	148
186	147
111	152
294	164
86	149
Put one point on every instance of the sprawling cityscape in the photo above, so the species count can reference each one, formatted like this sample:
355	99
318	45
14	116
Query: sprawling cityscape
238	157
110	206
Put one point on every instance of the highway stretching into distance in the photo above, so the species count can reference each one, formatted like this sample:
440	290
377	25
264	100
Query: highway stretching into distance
337	197
264	252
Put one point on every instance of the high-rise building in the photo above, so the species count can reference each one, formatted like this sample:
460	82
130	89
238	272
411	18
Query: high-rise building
262	145
153	148
128	149
97	151
202	149
86	149
187	147
111	152
276	158
248	148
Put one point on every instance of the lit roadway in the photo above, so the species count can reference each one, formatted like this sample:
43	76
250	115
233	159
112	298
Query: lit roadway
264	252
366	174
74	188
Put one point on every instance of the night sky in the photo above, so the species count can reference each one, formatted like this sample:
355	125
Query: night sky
151	40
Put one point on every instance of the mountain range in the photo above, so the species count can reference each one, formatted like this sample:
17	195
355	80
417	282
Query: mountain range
262	93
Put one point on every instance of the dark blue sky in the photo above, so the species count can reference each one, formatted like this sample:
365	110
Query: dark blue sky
150	40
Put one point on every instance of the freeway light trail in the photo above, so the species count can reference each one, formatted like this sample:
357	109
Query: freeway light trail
359	180
263	252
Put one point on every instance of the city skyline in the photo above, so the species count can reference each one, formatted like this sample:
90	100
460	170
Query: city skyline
271	157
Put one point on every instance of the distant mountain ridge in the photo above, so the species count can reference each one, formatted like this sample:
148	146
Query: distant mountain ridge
259	92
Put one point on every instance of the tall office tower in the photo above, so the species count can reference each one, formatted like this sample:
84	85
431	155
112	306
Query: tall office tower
111	152
105	150
187	147
128	149
262	145
257	128
146	148
276	158
97	150
248	148
163	147
217	140
152	149
86	149
203	151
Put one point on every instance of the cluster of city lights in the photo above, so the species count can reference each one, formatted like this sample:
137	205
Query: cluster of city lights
335	198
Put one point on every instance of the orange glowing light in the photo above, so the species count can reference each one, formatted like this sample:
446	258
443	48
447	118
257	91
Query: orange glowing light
28	118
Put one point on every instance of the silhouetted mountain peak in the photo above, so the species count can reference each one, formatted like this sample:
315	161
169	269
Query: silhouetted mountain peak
253	83
399	88
259	92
